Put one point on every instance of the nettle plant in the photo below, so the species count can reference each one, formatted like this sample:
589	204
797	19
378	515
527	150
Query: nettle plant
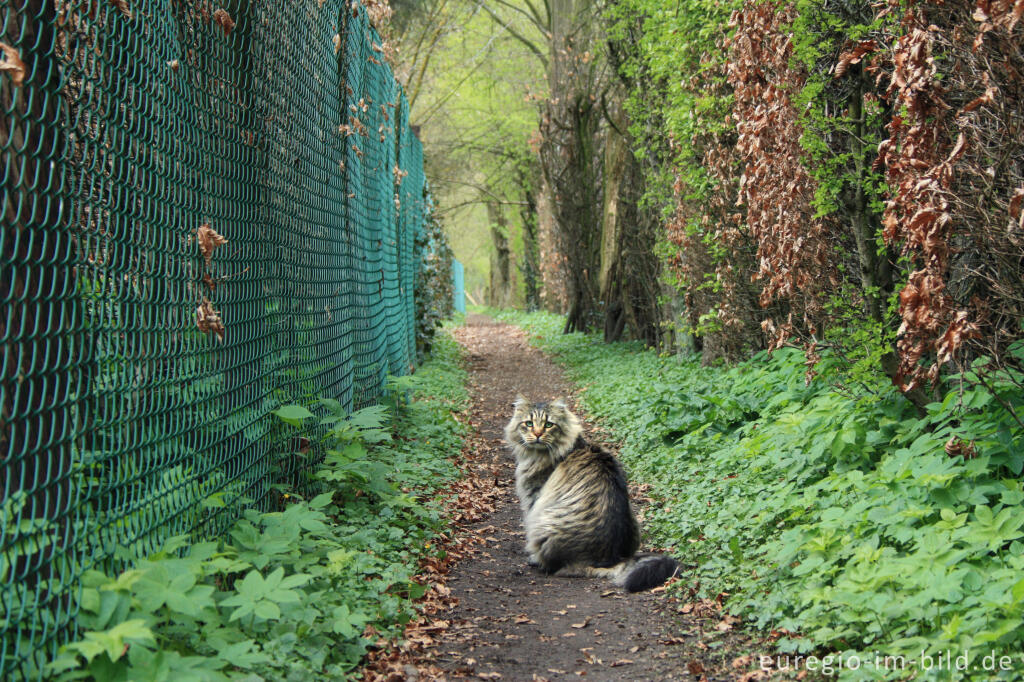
298	593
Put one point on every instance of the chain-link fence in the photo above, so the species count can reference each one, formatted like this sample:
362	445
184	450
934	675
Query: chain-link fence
141	355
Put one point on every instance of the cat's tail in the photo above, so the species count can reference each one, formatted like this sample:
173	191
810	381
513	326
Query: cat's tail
637	574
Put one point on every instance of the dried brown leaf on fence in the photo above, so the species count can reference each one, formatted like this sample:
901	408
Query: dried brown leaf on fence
208	240
379	13
13	65
122	7
224	20
208	319
854	56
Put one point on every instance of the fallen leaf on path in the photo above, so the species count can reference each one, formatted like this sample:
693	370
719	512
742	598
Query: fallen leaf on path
695	668
579	626
621	661
437	625
742	661
726	623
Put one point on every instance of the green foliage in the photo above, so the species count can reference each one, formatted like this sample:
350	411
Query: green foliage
289	594
478	111
840	146
838	517
668	52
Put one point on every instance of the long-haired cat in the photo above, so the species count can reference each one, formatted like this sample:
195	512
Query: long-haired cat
575	501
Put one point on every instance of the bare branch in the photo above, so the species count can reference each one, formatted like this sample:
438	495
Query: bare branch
542	22
507	26
482	190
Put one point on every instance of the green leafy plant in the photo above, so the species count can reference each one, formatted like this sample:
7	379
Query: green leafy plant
301	591
841	517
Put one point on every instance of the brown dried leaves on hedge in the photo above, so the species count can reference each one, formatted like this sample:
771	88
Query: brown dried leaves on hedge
792	245
951	74
715	250
955	165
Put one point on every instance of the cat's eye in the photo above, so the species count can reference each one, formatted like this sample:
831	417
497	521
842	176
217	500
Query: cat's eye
528	424
548	425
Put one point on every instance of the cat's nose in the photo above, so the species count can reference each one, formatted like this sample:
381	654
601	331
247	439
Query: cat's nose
538	432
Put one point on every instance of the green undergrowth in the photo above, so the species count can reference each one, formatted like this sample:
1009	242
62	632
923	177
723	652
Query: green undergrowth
836	516
300	592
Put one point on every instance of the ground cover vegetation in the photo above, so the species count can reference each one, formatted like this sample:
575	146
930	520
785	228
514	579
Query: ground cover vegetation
302	591
830	512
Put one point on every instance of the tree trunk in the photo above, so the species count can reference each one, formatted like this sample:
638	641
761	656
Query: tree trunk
629	278
530	267
553	290
571	158
499	293
616	158
876	276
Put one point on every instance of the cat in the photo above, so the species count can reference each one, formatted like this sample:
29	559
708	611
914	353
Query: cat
575	501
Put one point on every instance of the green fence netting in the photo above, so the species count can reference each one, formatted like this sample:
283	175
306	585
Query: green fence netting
140	363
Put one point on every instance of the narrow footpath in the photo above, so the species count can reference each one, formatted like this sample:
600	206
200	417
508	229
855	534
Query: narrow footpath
500	619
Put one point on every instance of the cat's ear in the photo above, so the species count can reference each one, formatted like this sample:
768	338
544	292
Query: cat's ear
559	403
520	401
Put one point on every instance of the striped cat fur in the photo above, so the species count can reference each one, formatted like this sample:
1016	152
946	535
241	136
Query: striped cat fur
575	501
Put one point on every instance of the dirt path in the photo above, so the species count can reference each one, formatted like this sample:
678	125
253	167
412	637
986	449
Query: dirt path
509	621
488	616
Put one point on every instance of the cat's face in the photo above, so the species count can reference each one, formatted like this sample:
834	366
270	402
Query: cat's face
541	425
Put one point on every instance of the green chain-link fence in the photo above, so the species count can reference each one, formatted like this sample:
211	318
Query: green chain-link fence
139	362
